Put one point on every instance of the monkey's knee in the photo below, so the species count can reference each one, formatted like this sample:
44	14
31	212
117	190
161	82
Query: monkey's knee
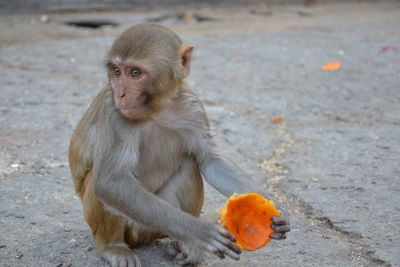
192	195
137	234
107	227
185	189
193	199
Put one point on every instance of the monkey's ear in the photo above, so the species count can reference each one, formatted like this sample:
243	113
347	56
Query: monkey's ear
185	54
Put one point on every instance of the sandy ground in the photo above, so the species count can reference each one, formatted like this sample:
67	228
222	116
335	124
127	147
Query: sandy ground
333	161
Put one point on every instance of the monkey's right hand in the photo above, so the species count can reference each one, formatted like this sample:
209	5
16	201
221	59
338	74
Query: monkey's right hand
215	239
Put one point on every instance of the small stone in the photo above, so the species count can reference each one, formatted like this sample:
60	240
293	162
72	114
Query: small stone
44	19
304	74
15	165
302	252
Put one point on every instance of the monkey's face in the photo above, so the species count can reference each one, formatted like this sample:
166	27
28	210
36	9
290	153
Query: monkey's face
145	66
128	82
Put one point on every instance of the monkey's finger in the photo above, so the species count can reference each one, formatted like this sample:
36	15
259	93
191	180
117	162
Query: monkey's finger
234	248
228	240
227	251
225	240
280	229
227	234
228	243
279	220
277	236
214	250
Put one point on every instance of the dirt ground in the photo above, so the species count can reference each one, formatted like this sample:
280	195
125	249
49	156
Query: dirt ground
333	161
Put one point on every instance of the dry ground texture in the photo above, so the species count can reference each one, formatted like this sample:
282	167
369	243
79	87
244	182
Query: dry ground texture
333	160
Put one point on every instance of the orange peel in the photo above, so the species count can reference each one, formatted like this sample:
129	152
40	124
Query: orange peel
333	66
277	119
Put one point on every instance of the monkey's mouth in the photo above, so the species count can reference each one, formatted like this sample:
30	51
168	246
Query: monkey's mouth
133	112
135	109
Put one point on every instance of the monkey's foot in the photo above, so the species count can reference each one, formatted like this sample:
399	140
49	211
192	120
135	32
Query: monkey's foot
182	253
119	255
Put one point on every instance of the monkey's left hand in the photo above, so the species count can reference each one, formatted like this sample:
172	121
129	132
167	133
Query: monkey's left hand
280	225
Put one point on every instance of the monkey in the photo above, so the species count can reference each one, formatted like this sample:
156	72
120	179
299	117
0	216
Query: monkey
139	155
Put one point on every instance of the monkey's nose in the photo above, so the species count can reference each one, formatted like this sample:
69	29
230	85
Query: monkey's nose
122	95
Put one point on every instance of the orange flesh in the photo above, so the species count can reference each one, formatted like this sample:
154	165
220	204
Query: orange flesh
248	218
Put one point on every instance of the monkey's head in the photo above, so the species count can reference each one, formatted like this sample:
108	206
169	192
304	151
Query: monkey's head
145	64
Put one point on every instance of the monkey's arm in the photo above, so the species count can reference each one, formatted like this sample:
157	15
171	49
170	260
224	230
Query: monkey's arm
221	173
118	188
227	177
224	176
80	154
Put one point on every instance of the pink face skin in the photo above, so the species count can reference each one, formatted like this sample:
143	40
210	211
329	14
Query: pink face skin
128	82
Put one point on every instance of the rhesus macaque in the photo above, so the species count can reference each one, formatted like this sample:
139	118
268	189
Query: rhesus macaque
140	151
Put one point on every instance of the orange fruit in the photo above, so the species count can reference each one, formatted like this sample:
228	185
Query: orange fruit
248	218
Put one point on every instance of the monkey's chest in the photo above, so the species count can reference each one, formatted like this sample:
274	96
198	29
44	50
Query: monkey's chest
160	155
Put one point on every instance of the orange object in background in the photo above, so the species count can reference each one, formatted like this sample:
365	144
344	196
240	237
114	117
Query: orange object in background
277	119
333	66
248	218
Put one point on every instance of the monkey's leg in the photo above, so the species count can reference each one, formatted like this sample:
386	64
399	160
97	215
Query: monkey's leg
108	229
184	191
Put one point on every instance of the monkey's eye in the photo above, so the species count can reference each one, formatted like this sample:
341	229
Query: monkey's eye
135	73
115	71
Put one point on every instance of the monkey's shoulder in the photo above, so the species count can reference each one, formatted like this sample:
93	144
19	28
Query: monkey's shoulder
184	112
